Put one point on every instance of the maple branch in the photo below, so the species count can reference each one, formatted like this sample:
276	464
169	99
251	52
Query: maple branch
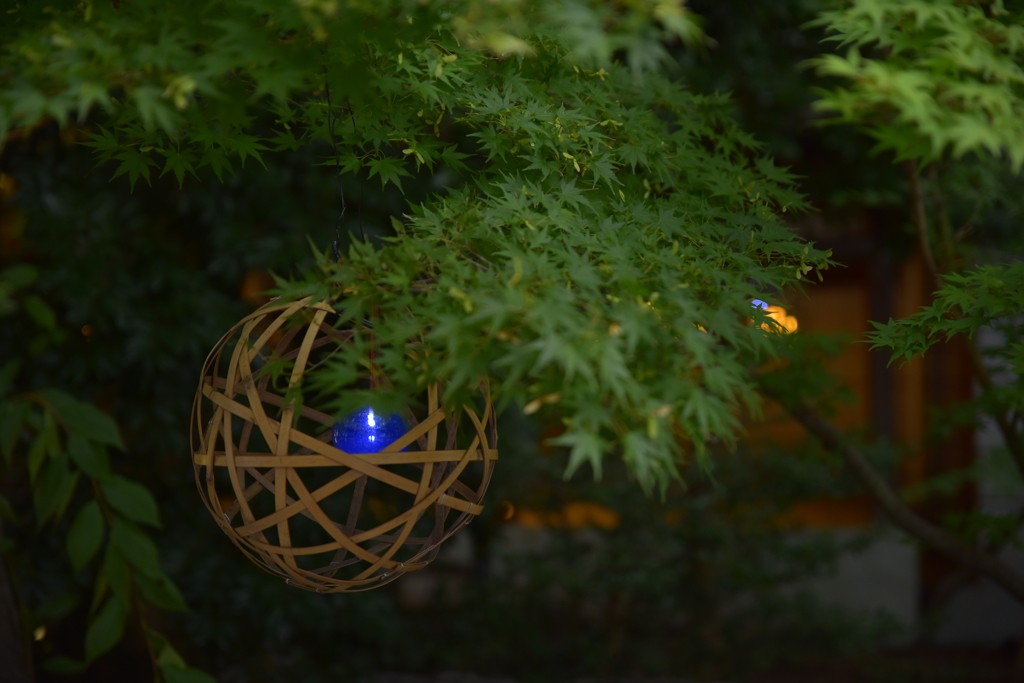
952	584
894	507
919	216
942	218
1006	428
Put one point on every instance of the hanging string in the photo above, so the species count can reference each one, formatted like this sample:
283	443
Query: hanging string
336	244
359	177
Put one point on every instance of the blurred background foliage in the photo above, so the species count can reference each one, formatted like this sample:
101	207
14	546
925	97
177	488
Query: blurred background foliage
705	583
143	283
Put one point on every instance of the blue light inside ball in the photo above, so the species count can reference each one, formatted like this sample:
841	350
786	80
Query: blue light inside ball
365	431
757	303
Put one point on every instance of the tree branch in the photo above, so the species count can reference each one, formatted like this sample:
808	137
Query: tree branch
919	216
920	219
942	219
896	509
1006	428
952	584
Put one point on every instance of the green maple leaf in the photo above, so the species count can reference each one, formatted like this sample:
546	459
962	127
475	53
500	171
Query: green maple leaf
585	447
154	111
389	169
135	164
217	160
178	163
248	146
105	143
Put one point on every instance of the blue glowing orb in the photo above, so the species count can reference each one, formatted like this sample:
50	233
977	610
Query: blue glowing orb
365	431
757	303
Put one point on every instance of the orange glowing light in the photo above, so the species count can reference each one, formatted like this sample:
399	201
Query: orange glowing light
506	510
7	186
778	314
573	515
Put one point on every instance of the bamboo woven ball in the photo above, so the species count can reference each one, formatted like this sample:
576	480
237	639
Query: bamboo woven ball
323	519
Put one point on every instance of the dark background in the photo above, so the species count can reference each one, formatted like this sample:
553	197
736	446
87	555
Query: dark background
546	586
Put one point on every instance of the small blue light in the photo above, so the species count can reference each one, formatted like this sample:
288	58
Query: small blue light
757	303
366	432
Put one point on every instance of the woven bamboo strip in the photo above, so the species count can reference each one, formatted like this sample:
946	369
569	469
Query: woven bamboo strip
325	521
260	417
278	401
419	507
339	456
416	432
413	515
408	458
280	320
432	407
284	511
235	393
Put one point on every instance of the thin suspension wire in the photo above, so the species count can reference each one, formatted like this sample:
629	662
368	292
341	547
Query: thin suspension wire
359	177
336	244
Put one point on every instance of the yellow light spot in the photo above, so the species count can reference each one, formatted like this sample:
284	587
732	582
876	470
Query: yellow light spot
380	510
7	186
573	515
581	513
254	285
778	314
506	510
534	405
675	517
226	501
529	519
39	633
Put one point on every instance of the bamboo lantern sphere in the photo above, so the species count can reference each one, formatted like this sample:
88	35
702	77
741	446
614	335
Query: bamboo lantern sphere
323	519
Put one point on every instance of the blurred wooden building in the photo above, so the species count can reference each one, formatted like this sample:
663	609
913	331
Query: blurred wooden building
892	401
